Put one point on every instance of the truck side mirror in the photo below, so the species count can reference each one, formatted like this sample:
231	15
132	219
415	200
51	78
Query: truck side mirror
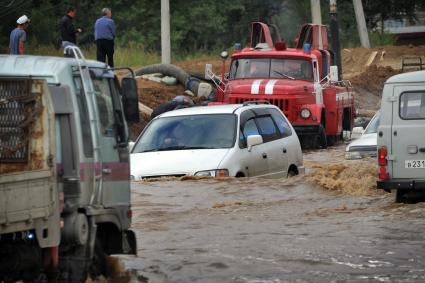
224	55
130	100
333	73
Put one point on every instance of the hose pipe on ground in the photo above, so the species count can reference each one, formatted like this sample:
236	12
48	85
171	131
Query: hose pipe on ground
190	83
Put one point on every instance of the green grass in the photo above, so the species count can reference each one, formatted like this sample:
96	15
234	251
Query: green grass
126	56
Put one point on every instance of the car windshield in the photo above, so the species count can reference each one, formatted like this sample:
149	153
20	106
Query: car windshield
372	128
294	69
188	132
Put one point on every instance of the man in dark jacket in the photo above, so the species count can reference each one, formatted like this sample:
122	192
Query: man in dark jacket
68	30
177	103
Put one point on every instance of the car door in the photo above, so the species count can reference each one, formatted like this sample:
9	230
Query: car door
286	149
408	132
253	162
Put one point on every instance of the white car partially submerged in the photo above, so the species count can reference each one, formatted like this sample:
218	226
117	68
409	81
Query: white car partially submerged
225	140
366	144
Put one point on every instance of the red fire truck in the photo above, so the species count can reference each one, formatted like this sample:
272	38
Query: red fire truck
301	81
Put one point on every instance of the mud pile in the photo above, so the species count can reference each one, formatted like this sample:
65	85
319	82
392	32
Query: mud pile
352	177
369	84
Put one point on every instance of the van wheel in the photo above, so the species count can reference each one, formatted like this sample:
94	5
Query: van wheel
399	196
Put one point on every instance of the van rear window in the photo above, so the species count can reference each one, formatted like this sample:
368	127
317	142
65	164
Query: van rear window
412	105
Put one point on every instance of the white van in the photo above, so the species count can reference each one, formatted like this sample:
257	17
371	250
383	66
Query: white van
401	134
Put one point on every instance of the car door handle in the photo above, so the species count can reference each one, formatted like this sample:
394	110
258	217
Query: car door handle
107	170
284	150
264	155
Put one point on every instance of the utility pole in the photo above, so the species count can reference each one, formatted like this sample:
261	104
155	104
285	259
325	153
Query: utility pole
334	27
316	15
361	23
165	32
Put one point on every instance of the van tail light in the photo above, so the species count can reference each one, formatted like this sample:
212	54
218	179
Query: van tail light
383	175
382	162
382	156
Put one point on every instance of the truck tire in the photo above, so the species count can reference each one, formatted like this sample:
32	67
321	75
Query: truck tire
98	263
73	265
321	138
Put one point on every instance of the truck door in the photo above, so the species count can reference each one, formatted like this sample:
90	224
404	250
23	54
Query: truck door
408	132
113	146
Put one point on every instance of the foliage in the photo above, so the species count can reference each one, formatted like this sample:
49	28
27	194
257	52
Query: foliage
196	25
381	39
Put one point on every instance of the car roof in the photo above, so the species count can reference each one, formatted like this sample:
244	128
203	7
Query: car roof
214	109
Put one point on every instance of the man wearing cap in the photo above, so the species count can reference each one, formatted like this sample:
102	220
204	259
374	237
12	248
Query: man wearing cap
18	36
104	34
68	30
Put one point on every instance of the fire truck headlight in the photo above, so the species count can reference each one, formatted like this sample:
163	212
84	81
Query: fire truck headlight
305	113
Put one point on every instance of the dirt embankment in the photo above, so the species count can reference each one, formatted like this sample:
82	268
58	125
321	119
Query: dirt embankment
368	69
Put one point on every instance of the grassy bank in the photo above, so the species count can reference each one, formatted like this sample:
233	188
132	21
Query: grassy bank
133	56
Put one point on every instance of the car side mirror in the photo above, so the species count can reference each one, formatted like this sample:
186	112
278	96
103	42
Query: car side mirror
130	100
130	145
253	140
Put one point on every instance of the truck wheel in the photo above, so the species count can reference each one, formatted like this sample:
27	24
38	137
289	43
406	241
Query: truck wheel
331	140
98	264
73	266
399	196
322	141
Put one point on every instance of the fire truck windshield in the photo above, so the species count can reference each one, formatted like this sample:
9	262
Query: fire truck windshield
294	69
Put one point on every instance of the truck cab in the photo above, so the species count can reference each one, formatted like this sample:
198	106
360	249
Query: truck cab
64	167
401	135
301	81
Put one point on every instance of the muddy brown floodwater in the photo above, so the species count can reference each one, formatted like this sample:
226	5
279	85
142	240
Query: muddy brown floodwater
295	230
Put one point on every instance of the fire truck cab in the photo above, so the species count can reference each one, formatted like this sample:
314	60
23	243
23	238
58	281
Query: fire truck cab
301	81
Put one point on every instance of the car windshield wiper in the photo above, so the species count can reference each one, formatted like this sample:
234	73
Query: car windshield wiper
148	150
283	75
182	147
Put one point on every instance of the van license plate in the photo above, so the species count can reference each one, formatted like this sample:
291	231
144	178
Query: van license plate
414	164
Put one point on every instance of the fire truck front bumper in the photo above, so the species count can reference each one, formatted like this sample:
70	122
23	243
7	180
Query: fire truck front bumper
306	130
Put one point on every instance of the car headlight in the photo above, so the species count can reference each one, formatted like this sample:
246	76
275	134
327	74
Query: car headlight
213	173
305	113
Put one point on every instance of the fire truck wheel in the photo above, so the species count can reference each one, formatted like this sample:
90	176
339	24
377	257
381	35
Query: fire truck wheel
331	140
322	141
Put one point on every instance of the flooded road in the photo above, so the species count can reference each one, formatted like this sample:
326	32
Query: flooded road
295	230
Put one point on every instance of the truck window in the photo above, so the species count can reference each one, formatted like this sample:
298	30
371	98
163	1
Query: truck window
84	118
105	105
412	105
299	69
